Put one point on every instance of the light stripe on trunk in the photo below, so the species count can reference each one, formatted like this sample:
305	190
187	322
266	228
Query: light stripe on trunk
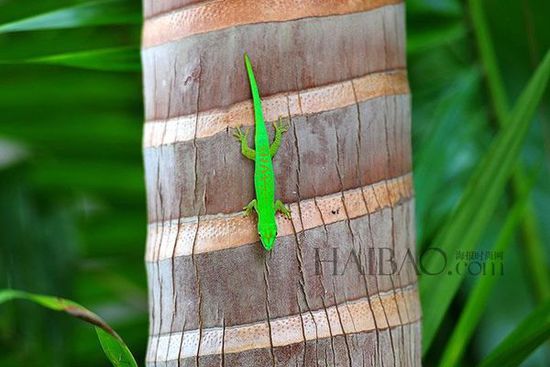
210	16
354	316
218	232
315	100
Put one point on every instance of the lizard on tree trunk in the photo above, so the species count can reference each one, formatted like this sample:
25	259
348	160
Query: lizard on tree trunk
264	176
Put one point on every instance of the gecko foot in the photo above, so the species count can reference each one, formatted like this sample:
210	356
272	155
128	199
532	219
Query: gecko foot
240	135
280	207
248	209
280	126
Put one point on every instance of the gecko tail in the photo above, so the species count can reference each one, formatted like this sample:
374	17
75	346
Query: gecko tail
251	77
254	89
247	62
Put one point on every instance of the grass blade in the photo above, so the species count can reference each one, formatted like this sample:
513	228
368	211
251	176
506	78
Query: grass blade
95	13
533	248
114	347
477	299
517	346
114	59
468	222
489	60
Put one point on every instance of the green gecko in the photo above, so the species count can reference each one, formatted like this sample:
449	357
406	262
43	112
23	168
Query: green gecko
264	176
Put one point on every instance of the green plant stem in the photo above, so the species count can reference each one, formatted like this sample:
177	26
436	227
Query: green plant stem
533	251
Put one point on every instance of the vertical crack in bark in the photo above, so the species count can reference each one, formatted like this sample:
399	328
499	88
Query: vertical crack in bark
172	259
222	360
360	125
320	215
154	301
376	277
393	241
388	165
336	306
398	141
332	336
298	244
160	227
348	223
152	307
398	137
152	244
403	137
271	347
180	351
193	254
376	328
411	279
175	296
299	247
393	231
303	332
195	196
316	204
176	244
322	275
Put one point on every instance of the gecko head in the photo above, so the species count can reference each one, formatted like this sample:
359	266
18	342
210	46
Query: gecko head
268	234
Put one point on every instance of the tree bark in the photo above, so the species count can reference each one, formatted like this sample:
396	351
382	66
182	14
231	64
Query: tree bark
339	288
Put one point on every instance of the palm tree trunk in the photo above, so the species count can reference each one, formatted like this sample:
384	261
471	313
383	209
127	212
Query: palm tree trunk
327	294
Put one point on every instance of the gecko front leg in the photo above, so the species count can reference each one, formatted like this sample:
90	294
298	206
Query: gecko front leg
243	139
251	206
280	207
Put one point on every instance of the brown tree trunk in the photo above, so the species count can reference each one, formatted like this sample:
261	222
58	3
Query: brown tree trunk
327	294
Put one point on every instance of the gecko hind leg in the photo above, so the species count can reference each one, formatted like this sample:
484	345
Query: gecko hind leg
248	209
280	207
243	139
280	129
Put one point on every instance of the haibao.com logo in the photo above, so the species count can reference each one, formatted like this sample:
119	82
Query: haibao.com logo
388	261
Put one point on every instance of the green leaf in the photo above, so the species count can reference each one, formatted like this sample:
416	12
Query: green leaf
114	347
116	59
113	59
434	153
94	13
117	352
473	213
489	60
532	332
477	299
533	249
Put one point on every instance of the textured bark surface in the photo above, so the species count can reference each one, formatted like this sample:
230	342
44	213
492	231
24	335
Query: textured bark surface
327	295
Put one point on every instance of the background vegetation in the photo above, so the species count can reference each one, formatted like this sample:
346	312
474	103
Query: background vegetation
72	201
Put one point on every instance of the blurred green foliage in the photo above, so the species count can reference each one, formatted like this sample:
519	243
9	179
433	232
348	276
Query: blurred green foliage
72	198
